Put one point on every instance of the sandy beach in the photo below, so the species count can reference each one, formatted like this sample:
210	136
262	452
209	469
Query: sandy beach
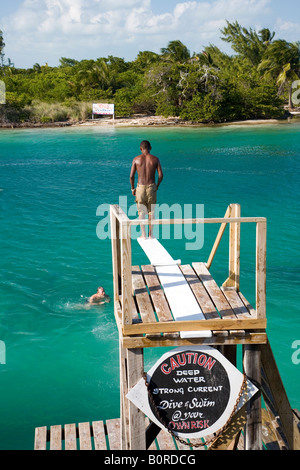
160	121
146	121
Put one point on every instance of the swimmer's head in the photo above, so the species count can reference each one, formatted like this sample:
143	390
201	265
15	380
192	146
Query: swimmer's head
101	291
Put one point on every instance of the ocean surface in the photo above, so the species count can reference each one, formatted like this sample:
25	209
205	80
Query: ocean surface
59	358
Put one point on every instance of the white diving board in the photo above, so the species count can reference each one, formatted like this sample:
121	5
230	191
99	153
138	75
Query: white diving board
181	299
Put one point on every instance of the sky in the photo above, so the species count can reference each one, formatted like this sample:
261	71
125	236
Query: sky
43	31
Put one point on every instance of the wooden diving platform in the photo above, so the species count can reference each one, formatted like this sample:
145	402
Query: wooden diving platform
228	315
168	304
148	315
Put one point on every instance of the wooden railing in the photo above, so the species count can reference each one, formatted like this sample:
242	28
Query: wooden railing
122	256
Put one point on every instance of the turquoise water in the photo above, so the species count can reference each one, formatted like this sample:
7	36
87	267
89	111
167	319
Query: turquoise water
61	358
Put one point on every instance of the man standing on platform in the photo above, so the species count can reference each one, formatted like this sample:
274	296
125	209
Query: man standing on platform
146	165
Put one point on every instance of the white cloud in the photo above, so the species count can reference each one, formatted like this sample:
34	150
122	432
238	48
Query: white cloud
44	30
288	26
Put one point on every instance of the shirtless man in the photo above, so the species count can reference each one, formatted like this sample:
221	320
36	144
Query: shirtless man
99	298
146	166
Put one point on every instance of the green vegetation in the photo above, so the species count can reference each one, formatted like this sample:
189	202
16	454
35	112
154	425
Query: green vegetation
210	86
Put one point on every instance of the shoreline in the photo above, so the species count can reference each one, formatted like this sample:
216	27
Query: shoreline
146	121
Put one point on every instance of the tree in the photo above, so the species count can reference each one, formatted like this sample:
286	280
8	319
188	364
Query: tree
176	51
281	61
144	60
66	62
248	43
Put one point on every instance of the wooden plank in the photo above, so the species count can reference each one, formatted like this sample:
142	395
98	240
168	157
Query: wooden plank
236	303
196	325
55	437
252	368
281	401
214	291
216	340
234	249
70	437
124	404
135	370
218	238
142	297
200	292
99	435
40	438
214	220
179	295
126	281
234	427
113	432
269	434
165	441
181	300
85	436
157	295
183	446
248	306
261	243
115	245
274	419
202	296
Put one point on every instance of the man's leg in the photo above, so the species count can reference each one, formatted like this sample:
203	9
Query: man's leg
143	230
151	217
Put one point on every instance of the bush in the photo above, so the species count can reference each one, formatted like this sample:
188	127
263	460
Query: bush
47	112
72	110
124	100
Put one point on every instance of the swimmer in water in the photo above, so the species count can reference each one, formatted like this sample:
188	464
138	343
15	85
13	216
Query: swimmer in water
99	298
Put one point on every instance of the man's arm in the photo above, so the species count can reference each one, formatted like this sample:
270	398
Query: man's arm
160	174
132	175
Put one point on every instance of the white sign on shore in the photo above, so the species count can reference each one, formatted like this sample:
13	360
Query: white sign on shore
103	109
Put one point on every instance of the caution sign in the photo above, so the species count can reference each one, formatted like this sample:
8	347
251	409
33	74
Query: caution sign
192	391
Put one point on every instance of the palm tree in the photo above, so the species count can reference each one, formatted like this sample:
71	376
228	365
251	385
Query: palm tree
99	75
176	52
281	61
266	36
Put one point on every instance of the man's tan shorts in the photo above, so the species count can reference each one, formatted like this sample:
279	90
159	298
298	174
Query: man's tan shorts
146	198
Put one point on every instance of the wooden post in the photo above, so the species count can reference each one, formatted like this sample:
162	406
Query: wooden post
133	430
218	239
124	413
280	398
115	244
137	425
234	249
261	251
126	276
253	428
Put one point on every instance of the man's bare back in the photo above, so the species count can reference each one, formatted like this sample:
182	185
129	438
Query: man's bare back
146	165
